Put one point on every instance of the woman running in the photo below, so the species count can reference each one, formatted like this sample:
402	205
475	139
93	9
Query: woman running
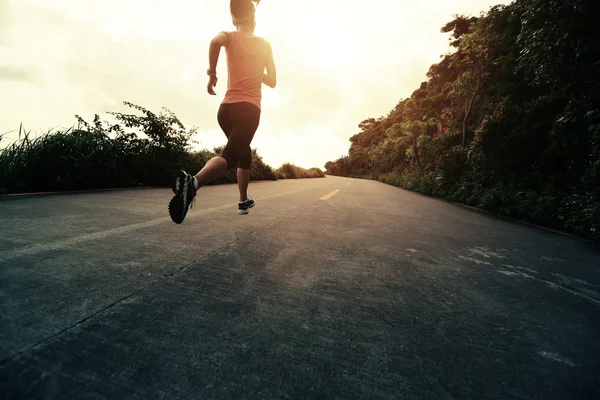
239	114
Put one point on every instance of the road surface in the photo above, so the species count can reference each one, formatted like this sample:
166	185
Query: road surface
329	288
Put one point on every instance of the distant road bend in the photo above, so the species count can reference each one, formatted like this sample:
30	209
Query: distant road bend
329	288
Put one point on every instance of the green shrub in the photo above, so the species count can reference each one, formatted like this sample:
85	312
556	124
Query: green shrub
290	171
101	155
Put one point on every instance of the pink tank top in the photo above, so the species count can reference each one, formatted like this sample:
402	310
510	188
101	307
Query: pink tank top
246	61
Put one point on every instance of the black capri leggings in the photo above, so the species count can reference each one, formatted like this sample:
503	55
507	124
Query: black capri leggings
239	121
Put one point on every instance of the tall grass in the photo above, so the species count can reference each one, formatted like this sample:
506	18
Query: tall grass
99	155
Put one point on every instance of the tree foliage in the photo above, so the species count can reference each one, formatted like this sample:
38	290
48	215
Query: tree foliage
508	120
141	149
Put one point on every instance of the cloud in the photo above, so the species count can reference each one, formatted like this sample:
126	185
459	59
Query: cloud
20	74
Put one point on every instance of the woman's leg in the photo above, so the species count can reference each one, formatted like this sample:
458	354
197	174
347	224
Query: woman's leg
214	168
243	173
217	166
238	150
243	179
239	122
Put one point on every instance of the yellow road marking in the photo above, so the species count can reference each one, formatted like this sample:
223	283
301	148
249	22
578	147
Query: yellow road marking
330	195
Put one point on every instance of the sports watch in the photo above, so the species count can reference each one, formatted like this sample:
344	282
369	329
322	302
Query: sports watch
211	73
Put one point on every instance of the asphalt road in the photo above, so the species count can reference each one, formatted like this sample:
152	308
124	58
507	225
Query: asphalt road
329	288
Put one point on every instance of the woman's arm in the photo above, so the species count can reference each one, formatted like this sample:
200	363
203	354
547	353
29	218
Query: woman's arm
214	50
270	78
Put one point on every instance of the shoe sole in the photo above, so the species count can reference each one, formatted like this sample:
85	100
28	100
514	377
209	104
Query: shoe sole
246	211
177	206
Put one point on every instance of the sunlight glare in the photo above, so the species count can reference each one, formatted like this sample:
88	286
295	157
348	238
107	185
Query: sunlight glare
271	99
325	41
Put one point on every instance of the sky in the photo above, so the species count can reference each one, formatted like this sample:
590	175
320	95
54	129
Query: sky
338	63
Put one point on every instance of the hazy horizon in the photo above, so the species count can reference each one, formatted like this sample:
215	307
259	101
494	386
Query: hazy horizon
336	65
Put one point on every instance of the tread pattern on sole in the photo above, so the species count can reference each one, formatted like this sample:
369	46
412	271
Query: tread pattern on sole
176	210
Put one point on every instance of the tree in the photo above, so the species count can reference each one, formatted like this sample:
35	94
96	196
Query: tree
507	120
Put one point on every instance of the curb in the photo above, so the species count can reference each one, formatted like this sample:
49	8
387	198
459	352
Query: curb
518	221
491	214
35	194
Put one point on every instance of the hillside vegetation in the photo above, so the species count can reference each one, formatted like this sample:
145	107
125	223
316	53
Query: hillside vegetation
508	120
141	149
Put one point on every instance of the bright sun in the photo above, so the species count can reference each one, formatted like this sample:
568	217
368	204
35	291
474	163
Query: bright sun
310	30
